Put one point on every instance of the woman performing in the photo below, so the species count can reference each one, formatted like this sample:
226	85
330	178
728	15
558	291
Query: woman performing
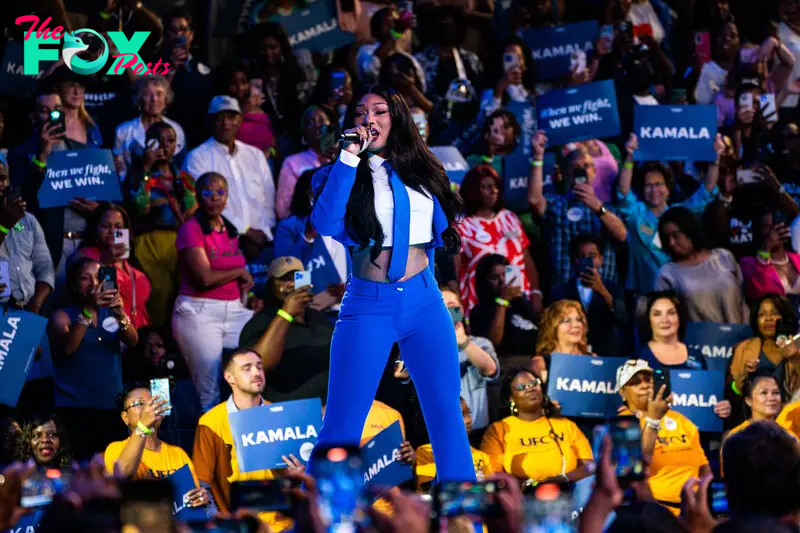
389	201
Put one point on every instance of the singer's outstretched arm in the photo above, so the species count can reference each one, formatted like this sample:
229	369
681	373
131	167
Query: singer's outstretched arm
336	182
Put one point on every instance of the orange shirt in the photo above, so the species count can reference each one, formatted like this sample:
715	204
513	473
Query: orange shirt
154	464
789	419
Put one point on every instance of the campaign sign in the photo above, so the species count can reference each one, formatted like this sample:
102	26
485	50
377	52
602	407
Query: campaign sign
263	434
679	133
12	79
516	172
454	163
716	341
525	114
86	173
552	47
695	393
29	522
584	385
182	482
382	459
315	27
587	111
20	335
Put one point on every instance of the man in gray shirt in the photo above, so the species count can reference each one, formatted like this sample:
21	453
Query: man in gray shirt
23	249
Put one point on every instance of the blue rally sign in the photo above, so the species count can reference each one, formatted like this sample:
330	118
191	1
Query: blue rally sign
86	173
454	163
263	434
716	341
587	111
382	466
12	79
20	335
695	393
584	385
182	482
516	173
680	133
315	27
552	47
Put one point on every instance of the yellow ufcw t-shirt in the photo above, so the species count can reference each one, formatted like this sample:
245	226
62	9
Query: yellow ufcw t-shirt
426	467
154	464
789	419
528	450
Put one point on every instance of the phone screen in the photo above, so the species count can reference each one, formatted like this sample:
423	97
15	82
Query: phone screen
339	472
57	118
702	46
456	314
453	498
338	80
302	278
626	436
585	264
510	61
108	278
717	499
513	275
661	378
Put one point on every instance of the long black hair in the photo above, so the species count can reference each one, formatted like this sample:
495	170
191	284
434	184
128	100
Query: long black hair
485	292
301	205
417	167
24	450
549	409
687	223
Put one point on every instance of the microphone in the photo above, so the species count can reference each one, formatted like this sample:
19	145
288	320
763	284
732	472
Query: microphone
349	138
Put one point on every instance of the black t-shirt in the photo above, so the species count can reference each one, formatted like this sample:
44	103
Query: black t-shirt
520	332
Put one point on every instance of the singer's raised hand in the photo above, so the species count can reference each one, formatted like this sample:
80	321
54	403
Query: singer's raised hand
364	134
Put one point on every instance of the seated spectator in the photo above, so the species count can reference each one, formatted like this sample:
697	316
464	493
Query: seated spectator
233	79
562	329
425	466
763	464
153	96
579	211
87	361
602	302
388	28
478	362
502	314
100	245
44	440
209	314
328	259
23	247
320	137
535	443
489	228
214	455
774	269
161	197
251	203
641	212
762	353
762	396
661	333
402	72
292	338
708	282
81	127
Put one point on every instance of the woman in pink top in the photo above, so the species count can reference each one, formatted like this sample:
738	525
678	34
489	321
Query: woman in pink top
209	314
233	79
773	269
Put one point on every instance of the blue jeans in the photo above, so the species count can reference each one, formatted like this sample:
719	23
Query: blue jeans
412	313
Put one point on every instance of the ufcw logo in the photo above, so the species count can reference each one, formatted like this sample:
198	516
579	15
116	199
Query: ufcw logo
277	435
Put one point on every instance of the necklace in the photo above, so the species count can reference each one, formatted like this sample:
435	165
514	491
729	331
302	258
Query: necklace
781	262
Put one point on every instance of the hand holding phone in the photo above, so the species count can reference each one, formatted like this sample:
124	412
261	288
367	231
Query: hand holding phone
159	388
513	276
123	236
302	278
626	457
108	278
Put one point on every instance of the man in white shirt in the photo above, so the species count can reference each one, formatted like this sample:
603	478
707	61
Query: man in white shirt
251	189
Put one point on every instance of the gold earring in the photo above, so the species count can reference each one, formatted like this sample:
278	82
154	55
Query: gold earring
512	407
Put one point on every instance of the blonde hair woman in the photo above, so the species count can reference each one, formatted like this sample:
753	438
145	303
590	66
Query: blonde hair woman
81	127
563	329
153	96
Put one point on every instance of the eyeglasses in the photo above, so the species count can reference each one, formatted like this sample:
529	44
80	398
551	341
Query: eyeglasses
522	387
208	193
138	403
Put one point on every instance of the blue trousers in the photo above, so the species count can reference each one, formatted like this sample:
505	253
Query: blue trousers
372	318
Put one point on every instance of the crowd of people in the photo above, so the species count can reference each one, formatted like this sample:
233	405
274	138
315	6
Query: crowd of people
606	256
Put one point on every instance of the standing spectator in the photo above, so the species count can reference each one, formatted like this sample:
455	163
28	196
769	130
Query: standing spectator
87	361
488	228
319	135
162	197
714	74
401	71
774	269
566	216
153	96
250	204
517	83
603	302
81	127
333	93
388	28
23	247
100	245
503	314
708	282
500	137
44	440
214	454
209	314
562	330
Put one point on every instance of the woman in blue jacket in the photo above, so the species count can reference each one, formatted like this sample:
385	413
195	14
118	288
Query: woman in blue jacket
388	200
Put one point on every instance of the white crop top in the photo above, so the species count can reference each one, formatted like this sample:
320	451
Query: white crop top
421	227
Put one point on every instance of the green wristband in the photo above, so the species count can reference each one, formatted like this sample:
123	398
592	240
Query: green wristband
501	301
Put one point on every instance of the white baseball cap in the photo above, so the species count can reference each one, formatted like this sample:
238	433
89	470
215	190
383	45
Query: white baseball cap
630	369
224	103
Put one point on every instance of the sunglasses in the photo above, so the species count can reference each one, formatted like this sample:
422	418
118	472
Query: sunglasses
208	193
522	387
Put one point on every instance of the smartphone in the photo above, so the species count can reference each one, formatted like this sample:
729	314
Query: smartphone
180	40
39	488
702	46
153	144
661	377
768	107
513	275
159	388
421	122
577	61
338	80
607	32
108	278
264	495
549	508
456	314
717	498
11	194
4	278
257	85
625	28
585	264
342	500
643	29
778	217
510	61
454	498
746	101
745	176
579	176
123	236
626	458
302	278
57	118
